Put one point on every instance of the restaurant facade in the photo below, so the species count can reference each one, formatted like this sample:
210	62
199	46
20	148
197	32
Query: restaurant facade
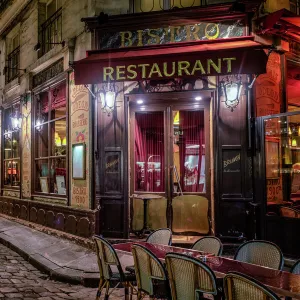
187	114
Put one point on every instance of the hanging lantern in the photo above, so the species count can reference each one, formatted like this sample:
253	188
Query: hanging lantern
16	121
231	90
38	123
107	94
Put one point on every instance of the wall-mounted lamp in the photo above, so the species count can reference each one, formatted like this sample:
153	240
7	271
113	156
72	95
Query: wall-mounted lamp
16	121
231	88
38	46
107	94
38	123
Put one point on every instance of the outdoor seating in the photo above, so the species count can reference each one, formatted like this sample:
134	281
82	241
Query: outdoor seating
190	278
209	244
161	236
261	253
295	270
108	257
238	286
150	273
289	212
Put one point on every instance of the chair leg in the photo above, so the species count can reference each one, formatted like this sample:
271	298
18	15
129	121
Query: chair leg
107	291
126	292
100	288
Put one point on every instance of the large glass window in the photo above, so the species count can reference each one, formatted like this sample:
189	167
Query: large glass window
50	137
11	161
293	86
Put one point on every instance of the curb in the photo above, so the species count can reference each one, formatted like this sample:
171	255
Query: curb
54	271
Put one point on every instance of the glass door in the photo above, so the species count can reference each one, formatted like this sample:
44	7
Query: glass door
281	154
169	158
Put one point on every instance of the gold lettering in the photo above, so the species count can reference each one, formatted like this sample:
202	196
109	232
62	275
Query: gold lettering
192	34
131	71
183	66
174	30
154	37
106	73
140	38
120	73
229	66
125	38
143	66
212	31
155	70
198	67
216	67
166	69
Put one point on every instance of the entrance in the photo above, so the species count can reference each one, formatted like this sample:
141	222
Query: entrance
170	157
280	172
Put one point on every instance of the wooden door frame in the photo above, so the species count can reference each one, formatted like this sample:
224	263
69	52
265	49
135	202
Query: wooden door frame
168	102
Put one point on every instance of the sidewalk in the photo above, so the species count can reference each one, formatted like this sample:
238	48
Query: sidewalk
63	260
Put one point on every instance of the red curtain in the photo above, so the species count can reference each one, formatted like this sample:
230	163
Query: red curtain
149	152
191	141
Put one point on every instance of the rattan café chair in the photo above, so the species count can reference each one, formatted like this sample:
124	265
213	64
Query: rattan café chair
238	286
210	244
261	253
150	273
108	257
190	278
295	270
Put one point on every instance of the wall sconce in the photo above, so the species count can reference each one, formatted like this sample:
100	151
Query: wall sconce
16	121
231	88
38	123
107	94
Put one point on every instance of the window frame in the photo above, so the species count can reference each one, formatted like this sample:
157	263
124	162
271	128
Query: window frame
13	55
55	82
11	159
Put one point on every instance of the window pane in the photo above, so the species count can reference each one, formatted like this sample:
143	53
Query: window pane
149	152
58	172
7	146
293	87
41	141
189	151
7	172
147	5
15	144
58	137
58	102
15	169
42	176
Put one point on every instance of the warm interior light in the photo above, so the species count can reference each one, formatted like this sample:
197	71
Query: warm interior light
294	143
198	98
140	101
64	141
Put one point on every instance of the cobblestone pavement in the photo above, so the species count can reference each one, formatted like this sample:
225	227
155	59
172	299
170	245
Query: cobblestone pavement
20	280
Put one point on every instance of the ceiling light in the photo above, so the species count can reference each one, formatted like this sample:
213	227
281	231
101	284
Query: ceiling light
143	108
140	101
198	98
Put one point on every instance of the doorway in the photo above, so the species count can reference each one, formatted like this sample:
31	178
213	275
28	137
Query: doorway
170	157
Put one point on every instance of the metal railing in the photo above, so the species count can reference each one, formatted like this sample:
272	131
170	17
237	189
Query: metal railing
12	66
51	32
154	5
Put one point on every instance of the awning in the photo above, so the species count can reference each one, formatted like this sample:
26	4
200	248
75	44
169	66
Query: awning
238	56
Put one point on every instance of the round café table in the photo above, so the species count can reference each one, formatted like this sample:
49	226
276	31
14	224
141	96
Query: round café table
146	198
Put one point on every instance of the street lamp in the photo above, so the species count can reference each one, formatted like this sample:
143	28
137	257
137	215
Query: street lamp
231	90
107	93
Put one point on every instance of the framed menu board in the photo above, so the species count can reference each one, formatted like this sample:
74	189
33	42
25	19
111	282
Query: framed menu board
78	161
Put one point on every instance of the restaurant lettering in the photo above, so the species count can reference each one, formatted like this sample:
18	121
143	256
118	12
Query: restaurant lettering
168	69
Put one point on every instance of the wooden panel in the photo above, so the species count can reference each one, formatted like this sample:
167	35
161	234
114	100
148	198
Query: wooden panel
113	171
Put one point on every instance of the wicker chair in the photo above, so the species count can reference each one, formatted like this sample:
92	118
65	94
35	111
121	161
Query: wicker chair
108	257
295	270
209	244
190	278
261	253
289	212
151	275
161	236
241	287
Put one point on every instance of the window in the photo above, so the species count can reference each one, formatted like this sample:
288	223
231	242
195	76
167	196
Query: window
11	161
294	6
13	58
50	141
155	5
51	29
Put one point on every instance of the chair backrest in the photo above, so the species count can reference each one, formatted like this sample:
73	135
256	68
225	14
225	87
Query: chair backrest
147	269
189	276
296	268
241	287
289	212
107	257
261	253
209	244
161	236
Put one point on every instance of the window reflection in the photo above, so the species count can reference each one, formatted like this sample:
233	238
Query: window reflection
282	154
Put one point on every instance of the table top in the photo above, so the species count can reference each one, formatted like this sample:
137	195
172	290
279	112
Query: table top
281	282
